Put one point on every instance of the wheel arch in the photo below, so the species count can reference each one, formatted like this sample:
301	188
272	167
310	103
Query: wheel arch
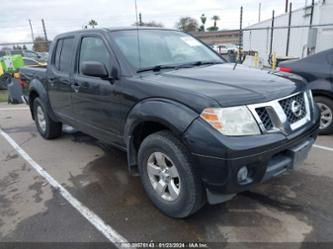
321	87
37	89
322	93
150	116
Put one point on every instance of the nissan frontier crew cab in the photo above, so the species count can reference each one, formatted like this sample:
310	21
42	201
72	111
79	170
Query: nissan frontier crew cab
194	127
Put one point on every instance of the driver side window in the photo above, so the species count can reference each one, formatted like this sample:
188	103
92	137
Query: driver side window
94	49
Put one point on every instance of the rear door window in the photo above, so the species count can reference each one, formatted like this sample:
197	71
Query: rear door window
57	54
66	55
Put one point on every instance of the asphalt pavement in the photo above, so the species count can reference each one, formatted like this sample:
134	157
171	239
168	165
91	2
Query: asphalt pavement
294	207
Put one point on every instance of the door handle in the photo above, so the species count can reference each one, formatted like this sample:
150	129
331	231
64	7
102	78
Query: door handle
51	80
76	87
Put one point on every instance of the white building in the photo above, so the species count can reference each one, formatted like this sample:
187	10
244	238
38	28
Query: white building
321	38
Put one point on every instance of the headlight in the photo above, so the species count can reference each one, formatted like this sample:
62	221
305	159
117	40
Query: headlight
231	121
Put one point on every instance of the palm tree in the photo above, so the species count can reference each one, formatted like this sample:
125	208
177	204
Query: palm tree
92	23
203	20
215	19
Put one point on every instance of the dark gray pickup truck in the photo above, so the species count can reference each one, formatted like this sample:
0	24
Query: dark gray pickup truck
194	127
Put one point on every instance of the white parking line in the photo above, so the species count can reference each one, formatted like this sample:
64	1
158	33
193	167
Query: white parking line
14	109
322	147
111	234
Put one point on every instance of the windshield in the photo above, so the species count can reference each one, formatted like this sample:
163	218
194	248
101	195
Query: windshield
162	48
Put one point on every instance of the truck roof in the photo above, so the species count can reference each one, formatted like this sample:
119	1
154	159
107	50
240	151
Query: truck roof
102	30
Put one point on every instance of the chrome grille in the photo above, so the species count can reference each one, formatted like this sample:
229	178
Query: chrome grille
265	118
285	114
286	105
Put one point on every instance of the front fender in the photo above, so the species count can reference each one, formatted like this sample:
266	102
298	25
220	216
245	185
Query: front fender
176	116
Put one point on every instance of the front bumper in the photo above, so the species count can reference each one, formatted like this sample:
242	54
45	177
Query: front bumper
219	158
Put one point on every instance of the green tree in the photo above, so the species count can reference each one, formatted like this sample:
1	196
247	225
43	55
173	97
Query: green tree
203	19
215	19
40	44
187	24
92	23
149	24
213	29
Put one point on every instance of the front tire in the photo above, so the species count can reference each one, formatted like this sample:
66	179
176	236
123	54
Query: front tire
47	128
326	114
168	175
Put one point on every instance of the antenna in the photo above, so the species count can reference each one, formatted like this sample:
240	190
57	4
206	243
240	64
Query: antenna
137	32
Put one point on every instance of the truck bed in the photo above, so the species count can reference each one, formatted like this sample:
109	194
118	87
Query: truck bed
27	74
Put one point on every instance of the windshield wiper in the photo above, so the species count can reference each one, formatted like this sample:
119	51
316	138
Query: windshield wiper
199	63
156	68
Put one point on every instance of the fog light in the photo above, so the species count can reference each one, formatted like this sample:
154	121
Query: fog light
242	175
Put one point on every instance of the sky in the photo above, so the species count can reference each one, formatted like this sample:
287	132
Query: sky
66	15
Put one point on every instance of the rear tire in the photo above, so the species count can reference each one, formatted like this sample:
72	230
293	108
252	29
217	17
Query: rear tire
47	128
326	120
183	191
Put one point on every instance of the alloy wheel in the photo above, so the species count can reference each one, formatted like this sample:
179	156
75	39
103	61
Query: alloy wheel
163	176
41	118
326	117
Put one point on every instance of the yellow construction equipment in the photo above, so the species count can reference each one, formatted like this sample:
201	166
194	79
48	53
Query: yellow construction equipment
274	61
1	70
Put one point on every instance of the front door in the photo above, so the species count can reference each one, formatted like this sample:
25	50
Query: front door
93	96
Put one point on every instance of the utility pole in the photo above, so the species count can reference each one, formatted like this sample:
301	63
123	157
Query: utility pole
272	34
240	47
32	31
44	30
311	15
310	27
286	10
259	17
289	27
140	20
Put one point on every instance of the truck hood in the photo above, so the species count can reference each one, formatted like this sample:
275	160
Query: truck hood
231	87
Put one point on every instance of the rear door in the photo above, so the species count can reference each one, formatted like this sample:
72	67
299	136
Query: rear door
94	97
60	77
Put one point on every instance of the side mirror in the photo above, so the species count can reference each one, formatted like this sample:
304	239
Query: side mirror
94	68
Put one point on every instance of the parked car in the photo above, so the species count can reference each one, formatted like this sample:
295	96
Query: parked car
44	56
317	69
40	57
194	127
33	63
225	48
